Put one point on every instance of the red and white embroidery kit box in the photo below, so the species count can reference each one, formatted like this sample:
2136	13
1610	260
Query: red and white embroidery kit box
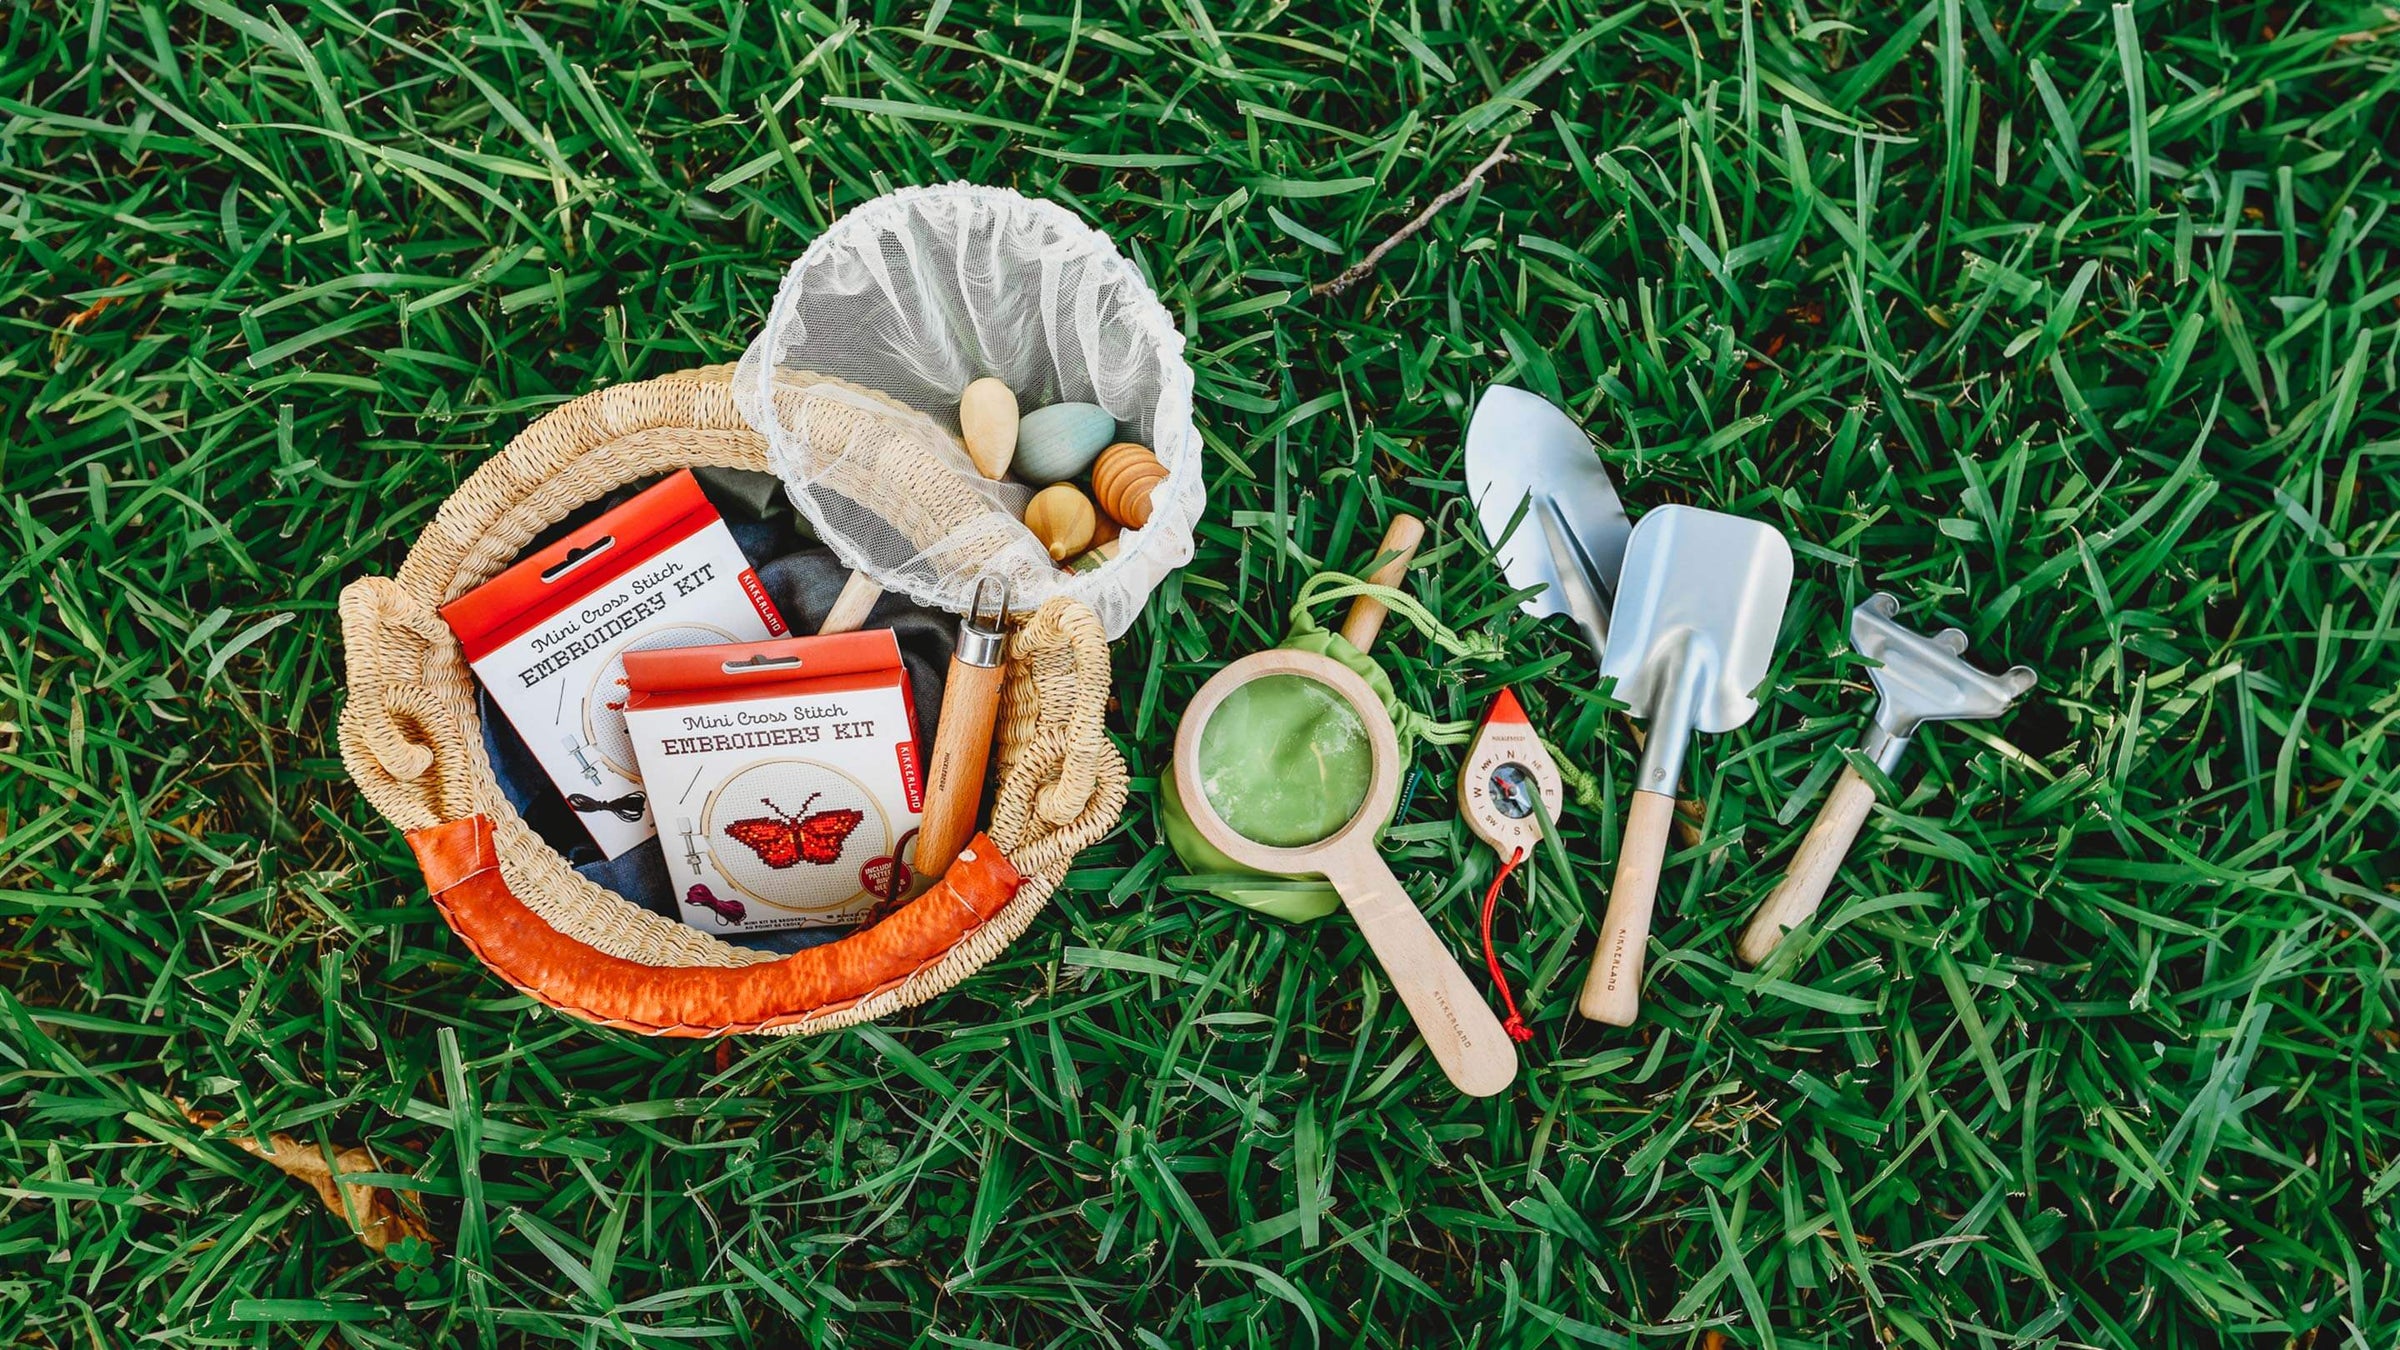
549	636
784	774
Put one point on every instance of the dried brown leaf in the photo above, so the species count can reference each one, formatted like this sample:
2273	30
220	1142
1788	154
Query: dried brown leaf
379	1216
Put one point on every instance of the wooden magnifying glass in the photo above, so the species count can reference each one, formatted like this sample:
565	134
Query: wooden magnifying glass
1458	1026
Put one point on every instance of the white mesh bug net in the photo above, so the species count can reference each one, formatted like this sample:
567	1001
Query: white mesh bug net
916	294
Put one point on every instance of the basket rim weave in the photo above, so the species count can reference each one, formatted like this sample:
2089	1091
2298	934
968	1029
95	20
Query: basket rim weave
411	732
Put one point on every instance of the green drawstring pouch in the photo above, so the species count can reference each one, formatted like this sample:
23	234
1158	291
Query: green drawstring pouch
1246	760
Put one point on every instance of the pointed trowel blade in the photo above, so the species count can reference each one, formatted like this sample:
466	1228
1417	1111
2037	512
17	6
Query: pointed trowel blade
1525	452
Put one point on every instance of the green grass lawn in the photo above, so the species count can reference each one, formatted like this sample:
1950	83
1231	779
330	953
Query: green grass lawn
2075	324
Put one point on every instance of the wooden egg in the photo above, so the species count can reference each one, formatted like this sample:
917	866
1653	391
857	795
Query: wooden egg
1123	479
1058	442
1105	529
1061	517
987	419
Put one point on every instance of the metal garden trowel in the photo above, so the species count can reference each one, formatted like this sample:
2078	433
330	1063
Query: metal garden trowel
1525	452
1694	632
1919	679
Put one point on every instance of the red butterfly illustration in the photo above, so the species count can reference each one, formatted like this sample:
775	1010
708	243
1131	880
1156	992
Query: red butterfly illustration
785	838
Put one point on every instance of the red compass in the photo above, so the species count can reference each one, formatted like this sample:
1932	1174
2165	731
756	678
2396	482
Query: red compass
1506	771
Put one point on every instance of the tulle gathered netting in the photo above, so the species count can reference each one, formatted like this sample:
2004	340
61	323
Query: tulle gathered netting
916	294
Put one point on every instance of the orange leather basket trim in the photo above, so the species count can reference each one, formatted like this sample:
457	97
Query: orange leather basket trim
462	868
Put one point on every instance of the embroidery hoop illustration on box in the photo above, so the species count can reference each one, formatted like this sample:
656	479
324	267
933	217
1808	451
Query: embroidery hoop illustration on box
795	791
603	724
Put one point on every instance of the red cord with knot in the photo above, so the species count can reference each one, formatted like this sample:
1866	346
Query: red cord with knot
1515	1025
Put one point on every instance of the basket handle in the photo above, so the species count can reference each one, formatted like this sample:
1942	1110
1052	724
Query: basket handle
399	739
1054	744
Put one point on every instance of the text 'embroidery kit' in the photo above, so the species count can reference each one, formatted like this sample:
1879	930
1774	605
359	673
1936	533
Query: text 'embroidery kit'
784	774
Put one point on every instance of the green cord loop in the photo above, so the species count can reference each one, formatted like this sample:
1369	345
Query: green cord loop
1330	586
1582	784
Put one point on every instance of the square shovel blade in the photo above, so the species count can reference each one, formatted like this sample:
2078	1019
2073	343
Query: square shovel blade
1698	607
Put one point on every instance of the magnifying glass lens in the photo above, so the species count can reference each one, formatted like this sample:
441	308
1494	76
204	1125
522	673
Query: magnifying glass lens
1285	761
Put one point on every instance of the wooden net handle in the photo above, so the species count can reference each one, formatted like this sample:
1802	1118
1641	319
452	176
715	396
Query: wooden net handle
850	608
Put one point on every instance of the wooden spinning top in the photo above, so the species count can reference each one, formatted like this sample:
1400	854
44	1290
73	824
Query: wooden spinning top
1123	479
1506	769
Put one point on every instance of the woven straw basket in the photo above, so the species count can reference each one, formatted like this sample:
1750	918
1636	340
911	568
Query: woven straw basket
411	737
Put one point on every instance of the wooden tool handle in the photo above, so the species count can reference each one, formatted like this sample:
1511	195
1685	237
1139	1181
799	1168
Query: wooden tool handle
1803	887
1400	541
1461	1033
849	611
1612	992
962	746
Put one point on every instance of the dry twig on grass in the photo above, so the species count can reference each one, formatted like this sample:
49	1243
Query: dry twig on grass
1358	271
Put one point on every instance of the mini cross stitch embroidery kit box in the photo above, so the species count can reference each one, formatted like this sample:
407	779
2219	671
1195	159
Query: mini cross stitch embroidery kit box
548	638
784	774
